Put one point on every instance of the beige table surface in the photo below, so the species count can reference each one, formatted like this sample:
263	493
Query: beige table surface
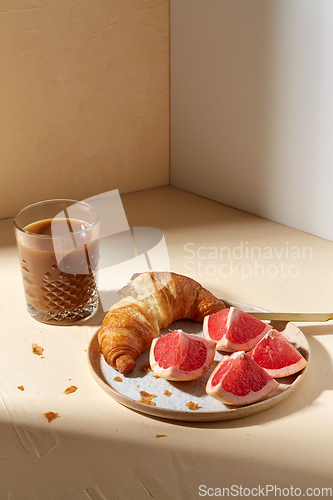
99	449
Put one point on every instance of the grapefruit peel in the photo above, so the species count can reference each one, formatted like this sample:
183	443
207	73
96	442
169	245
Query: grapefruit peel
239	380
234	330
181	356
277	355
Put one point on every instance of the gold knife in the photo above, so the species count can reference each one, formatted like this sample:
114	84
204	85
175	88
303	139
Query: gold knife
306	317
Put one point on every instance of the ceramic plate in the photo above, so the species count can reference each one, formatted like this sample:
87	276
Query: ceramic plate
142	391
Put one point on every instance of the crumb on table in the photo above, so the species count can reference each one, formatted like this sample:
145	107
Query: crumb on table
70	389
37	349
20	387
50	416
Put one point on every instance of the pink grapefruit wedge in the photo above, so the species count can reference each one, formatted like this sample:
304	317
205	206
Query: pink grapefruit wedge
277	355
234	330
238	380
181	356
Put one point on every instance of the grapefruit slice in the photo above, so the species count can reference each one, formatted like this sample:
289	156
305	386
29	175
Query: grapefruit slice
277	355
181	356
239	380
234	330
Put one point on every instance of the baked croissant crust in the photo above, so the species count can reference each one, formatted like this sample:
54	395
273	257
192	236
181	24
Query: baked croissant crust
152	300
127	330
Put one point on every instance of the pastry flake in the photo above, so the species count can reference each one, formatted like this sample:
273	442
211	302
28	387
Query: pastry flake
51	415
70	389
37	349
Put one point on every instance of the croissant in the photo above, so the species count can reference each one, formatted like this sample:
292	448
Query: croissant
151	300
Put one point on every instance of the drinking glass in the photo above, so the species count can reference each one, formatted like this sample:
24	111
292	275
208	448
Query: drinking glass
58	247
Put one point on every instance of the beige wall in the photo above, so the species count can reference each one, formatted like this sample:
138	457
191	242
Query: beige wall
252	106
84	90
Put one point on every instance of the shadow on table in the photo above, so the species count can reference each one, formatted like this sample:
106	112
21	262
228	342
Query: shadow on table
7	233
82	466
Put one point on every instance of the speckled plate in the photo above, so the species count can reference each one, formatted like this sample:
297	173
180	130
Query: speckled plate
142	391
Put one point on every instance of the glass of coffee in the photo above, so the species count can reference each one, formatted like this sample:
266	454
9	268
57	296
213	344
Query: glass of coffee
58	246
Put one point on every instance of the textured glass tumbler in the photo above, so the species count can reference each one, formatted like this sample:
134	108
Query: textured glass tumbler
58	247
